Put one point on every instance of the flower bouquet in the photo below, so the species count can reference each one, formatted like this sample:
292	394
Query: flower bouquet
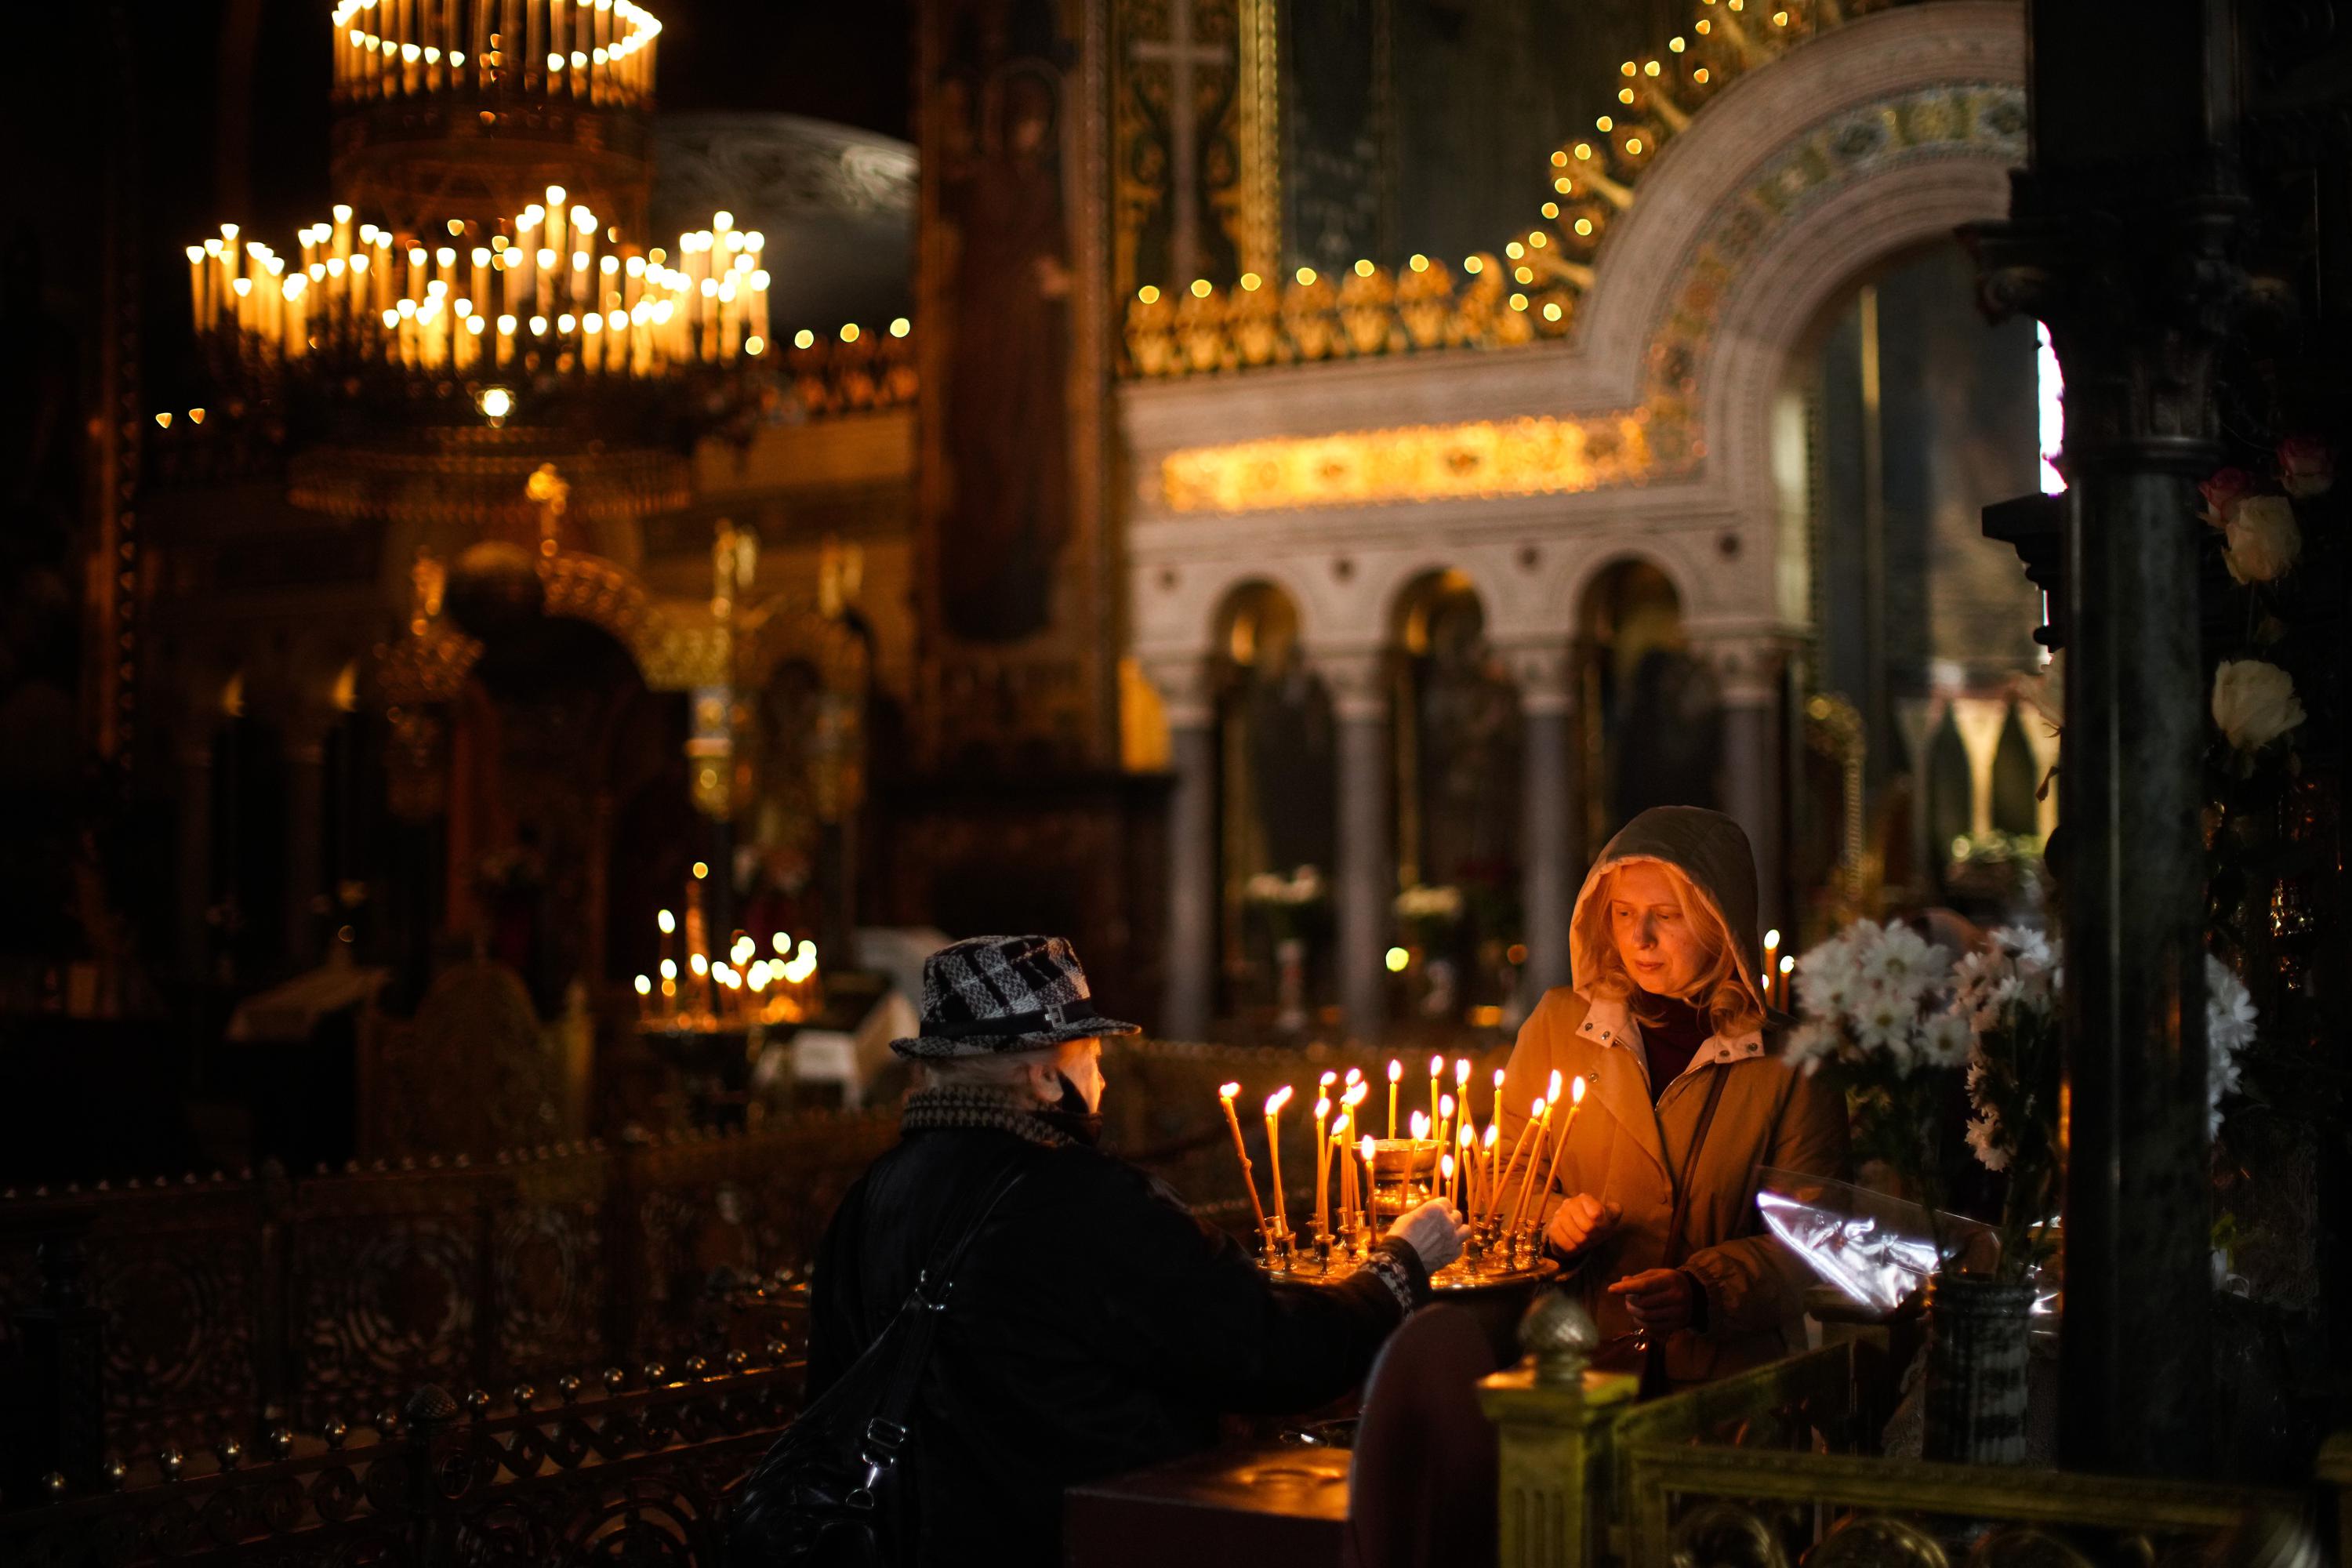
2007	995
1285	900
1873	1014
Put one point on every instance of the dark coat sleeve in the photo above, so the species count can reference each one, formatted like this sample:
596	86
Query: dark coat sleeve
835	1311
1184	1306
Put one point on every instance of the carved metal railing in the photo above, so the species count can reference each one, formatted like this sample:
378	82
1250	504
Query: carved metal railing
190	1312
634	1475
1759	1470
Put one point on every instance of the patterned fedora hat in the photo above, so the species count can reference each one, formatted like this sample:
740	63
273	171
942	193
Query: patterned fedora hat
990	993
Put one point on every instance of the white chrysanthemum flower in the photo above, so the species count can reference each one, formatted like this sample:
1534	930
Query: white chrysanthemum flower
1984	1137
2229	1021
1945	1041
1810	1045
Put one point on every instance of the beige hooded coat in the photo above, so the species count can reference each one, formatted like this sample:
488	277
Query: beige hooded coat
1621	1150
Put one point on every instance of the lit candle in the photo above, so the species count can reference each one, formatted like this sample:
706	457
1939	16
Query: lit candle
1494	1143
1396	1072
1419	1126
1337	1149
1445	1169
1225	1093
1465	1161
1274	1104
1462	1085
1436	1070
196	287
1445	1130
1543	1126
1322	1148
1366	1151
1771	965
1788	967
645	998
1559	1144
1494	1111
1355	1077
1535	1120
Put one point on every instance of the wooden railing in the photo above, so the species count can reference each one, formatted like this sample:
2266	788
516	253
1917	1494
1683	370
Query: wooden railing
1762	1471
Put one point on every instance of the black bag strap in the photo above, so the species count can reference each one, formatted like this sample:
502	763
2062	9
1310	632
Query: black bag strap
1676	1245
885	1431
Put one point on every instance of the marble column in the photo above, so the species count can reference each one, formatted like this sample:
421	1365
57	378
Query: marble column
1749	675
1365	887
2127	243
1189	962
1548	873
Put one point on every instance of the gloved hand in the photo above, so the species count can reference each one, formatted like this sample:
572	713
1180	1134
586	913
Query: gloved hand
1434	1232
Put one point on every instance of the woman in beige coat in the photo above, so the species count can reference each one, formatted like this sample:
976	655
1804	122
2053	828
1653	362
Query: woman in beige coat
1687	1096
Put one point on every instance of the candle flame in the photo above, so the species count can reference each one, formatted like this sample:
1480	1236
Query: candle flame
1462	1072
1355	1076
1552	1093
1536	1109
1576	1090
1436	1065
1446	1166
1227	1090
1771	940
1322	1108
667	920
1445	1106
1278	1100
1355	1096
1788	964
1466	1135
1326	1082
1418	1125
1396	1069
1493	1133
1499	1078
1367	1149
645	985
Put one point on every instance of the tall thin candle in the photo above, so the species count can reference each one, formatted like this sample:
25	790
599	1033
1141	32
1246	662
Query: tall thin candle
1396	1072
1274	1104
1559	1144
1437	1071
1225	1093
1322	1148
1535	1116
1543	1126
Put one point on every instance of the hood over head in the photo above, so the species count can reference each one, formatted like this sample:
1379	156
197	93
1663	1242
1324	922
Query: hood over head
1708	847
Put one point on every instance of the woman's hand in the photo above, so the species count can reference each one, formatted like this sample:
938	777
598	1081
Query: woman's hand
1661	1299
1580	1221
1434	1232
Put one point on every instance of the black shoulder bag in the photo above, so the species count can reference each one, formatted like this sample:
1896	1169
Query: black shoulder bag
828	1494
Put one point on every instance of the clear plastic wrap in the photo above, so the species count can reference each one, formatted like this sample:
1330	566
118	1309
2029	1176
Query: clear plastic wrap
1878	1250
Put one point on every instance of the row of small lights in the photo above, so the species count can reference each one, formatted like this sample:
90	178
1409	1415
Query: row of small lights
1251	282
804	339
1564	184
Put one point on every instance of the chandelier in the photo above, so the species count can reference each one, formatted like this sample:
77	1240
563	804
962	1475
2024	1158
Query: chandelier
488	263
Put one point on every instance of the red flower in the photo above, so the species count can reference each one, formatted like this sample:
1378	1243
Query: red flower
2222	493
2306	467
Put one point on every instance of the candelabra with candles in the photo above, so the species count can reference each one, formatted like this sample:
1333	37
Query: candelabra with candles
1361	1181
739	990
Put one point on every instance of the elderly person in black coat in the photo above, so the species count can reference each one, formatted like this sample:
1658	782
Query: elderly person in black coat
1095	1325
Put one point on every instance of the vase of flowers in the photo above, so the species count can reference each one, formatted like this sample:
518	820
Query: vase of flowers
1878	1013
1284	902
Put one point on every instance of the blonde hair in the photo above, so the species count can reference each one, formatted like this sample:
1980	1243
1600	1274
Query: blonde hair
1722	991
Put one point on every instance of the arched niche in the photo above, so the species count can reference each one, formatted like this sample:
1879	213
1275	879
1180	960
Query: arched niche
1276	831
1458	741
1650	728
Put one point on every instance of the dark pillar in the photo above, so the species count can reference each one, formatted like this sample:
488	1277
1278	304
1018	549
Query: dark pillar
2121	238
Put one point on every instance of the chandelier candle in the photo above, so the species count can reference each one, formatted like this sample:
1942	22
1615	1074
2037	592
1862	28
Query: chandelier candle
1225	1093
